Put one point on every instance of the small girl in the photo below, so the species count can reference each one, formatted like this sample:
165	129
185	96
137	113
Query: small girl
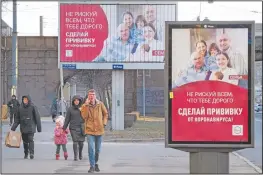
140	22
211	60
218	76
61	137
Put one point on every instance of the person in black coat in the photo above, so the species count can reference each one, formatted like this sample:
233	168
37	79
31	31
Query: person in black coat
13	105
29	120
75	121
54	109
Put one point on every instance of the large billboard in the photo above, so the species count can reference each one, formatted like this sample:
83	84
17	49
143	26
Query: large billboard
122	33
210	83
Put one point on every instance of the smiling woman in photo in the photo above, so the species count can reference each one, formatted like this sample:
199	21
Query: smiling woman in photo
128	20
201	47
224	66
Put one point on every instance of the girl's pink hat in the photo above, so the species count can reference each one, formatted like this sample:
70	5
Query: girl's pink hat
60	119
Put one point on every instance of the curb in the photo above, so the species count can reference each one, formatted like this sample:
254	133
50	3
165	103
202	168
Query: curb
134	140
255	167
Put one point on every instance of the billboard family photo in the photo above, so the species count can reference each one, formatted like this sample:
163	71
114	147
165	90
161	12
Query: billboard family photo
212	54
210	84
114	33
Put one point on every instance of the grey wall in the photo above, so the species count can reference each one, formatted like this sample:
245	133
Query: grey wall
38	73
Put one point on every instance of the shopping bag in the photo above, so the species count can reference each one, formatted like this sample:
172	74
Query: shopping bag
4	109
13	139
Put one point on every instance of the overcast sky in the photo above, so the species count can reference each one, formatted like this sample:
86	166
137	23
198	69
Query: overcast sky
29	12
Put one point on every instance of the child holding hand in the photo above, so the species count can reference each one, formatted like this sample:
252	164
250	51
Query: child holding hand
61	137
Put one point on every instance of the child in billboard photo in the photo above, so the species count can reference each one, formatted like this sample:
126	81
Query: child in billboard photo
139	36
211	60
216	49
140	22
218	76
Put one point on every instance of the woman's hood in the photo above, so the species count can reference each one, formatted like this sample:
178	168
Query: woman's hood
28	97
76	97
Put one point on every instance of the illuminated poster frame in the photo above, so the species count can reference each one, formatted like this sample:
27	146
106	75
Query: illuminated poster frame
170	26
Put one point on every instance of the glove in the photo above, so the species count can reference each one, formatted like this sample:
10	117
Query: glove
104	126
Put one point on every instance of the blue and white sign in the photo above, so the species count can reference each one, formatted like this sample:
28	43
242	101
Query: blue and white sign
117	66
69	66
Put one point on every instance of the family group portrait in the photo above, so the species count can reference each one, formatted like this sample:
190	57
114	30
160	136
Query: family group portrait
210	54
138	34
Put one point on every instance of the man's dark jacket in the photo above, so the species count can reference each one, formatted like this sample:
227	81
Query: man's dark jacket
13	105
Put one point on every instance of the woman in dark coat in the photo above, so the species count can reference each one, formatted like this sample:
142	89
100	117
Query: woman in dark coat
74	120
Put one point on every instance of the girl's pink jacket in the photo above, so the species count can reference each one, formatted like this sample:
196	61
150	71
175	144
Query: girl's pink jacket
61	136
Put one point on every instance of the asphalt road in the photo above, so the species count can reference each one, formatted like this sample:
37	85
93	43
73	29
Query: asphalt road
252	154
255	154
114	158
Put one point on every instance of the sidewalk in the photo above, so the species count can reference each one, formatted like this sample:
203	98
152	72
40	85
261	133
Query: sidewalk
115	158
42	119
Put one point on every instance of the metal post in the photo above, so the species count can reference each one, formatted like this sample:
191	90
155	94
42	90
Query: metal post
41	25
209	162
61	88
14	50
5	75
143	90
73	89
1	82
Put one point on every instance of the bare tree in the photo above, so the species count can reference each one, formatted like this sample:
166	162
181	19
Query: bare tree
96	79
100	80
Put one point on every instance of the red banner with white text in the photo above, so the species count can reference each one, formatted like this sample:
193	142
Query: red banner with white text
200	112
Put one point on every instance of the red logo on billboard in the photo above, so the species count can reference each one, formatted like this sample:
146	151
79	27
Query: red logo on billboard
158	53
238	77
83	29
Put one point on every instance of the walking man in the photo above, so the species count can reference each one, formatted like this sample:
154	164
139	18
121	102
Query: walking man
62	105
54	109
29	120
95	115
13	105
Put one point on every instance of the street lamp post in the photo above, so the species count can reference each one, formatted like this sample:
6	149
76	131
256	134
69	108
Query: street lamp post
1	82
